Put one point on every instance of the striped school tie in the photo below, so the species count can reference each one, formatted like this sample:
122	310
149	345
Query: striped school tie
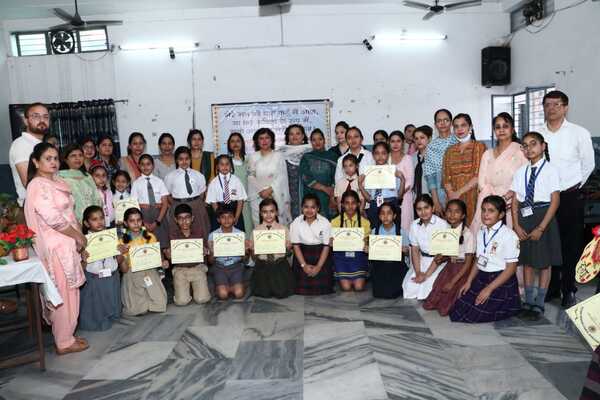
530	190
226	195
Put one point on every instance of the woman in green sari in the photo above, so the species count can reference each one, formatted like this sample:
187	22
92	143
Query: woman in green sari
82	184
317	173
237	150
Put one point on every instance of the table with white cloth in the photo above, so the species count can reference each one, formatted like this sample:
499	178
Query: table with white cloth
34	276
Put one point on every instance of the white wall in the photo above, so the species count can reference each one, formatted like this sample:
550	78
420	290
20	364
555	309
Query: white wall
385	88
565	53
5	135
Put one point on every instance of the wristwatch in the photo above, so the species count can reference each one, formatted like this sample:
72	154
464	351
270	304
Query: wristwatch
302	266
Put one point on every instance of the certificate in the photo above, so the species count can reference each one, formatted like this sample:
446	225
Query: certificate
586	317
145	256
123	205
348	239
186	251
445	242
586	268
101	245
269	241
385	247
229	244
380	177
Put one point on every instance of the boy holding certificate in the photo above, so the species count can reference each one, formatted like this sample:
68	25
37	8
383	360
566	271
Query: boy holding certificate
141	291
272	275
228	271
193	273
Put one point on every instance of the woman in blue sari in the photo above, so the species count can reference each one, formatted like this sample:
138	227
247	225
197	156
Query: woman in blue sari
317	173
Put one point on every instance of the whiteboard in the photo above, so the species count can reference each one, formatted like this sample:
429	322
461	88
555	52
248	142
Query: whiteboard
247	118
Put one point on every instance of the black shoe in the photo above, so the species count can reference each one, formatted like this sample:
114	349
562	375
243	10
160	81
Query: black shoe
551	295
568	300
535	314
525	311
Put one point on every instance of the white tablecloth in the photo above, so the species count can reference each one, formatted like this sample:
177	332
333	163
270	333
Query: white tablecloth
30	270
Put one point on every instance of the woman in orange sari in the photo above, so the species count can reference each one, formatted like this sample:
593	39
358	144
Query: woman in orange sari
135	148
461	165
498	165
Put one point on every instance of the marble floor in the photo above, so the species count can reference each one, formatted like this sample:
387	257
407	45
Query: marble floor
343	346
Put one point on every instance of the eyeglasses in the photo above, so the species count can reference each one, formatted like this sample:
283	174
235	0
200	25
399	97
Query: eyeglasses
439	121
184	218
553	105
39	117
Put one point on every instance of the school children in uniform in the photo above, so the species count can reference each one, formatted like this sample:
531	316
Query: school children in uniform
272	275
191	275
351	267
425	266
100	298
491	292
100	175
141	291
349	182
121	185
228	272
312	264
153	198
387	276
454	275
376	197
187	186
537	196
226	190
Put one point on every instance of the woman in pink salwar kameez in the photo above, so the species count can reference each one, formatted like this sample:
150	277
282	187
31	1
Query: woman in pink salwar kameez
498	165
49	213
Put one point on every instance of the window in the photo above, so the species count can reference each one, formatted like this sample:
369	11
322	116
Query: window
526	108
60	42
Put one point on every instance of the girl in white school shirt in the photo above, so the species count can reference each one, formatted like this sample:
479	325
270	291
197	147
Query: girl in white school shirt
425	266
186	185
537	189
153	198
227	190
491	292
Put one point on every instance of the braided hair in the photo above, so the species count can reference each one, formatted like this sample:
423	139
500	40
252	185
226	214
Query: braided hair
463	208
128	237
538	136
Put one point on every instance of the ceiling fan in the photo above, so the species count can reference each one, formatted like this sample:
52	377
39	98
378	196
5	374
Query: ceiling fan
76	22
436	8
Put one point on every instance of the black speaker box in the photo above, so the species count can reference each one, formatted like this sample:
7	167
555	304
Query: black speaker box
495	66
272	2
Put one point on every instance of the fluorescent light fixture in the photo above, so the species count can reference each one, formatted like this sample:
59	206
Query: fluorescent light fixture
409	37
178	46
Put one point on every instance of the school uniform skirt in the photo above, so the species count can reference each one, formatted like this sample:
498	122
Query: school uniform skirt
387	278
420	291
149	215
546	251
504	302
442	300
100	302
272	278
323	282
350	267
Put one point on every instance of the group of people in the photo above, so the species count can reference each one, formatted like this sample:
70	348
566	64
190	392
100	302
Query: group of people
511	204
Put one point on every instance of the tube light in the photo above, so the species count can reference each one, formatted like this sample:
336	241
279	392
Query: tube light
178	46
406	37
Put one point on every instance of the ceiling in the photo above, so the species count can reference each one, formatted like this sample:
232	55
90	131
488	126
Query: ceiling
23	9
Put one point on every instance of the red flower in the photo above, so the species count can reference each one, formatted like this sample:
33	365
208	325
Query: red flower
596	231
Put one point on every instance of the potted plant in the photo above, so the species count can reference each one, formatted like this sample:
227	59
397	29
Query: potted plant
17	240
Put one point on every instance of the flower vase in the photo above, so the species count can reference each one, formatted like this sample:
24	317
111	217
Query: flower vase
20	253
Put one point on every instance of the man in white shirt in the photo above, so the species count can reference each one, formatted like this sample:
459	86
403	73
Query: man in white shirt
37	120
572	153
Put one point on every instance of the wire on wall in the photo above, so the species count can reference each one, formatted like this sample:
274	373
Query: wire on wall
551	17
